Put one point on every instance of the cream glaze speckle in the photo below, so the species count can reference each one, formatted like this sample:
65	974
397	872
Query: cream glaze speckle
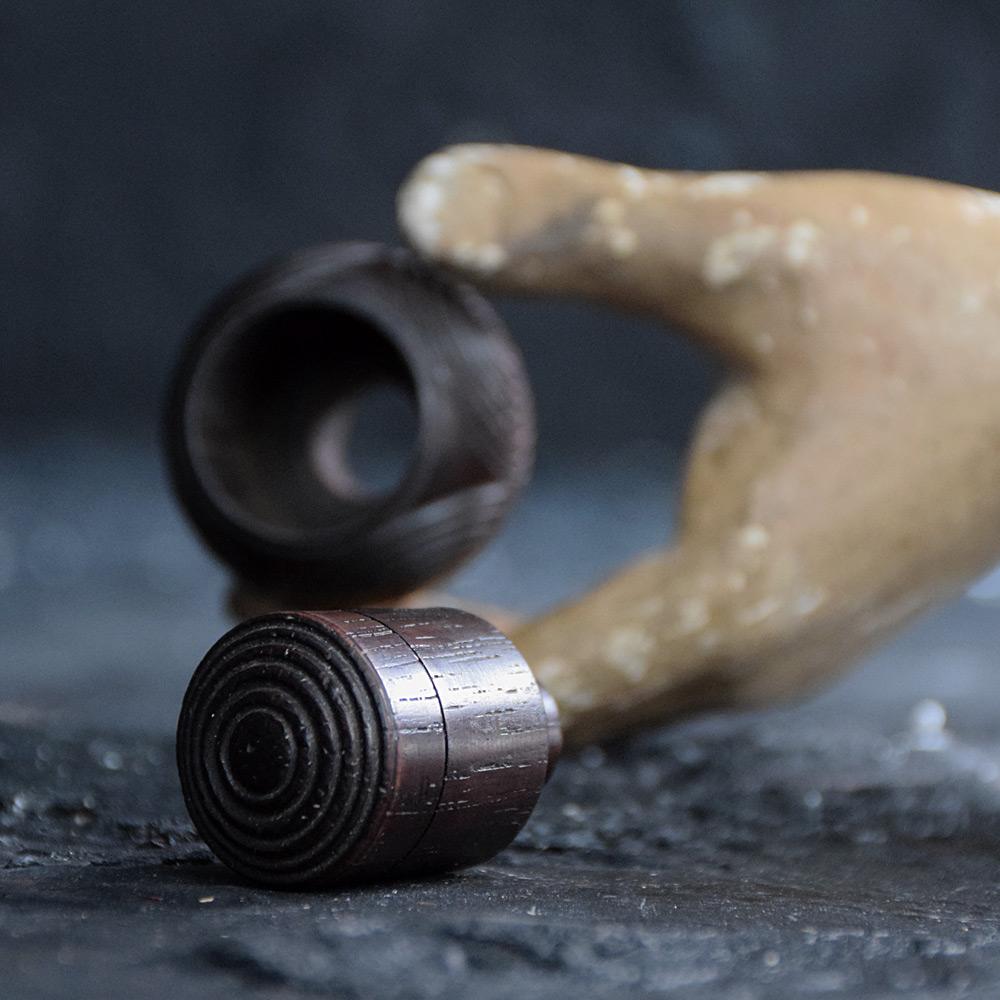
728	185
627	650
981	206
693	614
762	610
731	256
622	242
754	536
801	242
633	182
420	203
860	216
609	211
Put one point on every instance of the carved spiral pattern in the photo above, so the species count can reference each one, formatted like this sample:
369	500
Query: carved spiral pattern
317	748
280	750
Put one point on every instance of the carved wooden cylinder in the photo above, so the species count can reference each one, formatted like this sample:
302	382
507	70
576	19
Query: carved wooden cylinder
316	748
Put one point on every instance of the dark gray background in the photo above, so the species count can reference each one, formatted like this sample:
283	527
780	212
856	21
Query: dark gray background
151	152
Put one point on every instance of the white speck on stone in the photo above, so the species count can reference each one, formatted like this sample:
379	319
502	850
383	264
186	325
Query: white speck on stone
800	242
730	257
981	206
928	721
456	962
859	216
812	799
622	242
633	181
988	772
627	650
725	185
754	536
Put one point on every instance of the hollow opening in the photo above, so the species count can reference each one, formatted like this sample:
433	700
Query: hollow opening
364	448
301	417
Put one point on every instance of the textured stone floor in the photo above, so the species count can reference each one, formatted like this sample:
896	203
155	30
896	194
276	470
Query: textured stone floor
848	847
798	853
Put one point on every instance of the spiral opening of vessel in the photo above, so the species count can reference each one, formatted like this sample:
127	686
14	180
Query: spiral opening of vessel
301	416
